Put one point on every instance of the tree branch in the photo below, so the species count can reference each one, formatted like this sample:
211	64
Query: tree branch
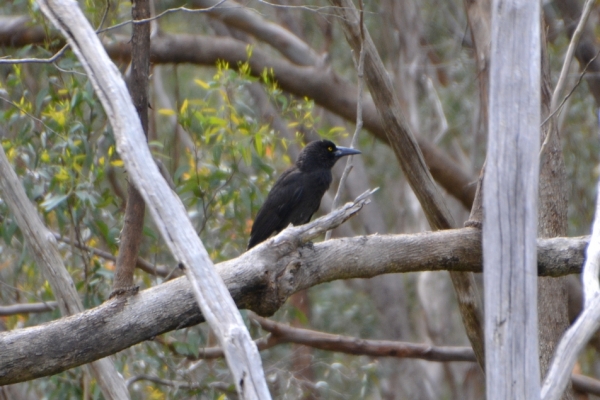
135	209
27	308
260	280
356	346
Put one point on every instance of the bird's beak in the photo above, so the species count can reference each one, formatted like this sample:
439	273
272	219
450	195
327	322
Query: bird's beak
345	151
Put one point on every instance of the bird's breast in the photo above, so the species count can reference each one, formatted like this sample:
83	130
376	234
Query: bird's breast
319	181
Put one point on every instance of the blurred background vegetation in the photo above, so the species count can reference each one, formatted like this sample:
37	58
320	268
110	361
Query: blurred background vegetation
208	129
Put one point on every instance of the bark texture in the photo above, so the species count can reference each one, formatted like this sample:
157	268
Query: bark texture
553	304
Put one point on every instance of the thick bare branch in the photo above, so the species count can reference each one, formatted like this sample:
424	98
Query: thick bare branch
259	280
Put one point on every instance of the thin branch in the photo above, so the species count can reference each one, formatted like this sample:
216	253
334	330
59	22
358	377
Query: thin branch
27	308
57	55
221	386
296	236
162	14
564	100
142	264
560	85
359	118
61	52
565	69
50	60
15	105
318	9
356	346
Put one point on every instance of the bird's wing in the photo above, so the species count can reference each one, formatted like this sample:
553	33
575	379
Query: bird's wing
274	215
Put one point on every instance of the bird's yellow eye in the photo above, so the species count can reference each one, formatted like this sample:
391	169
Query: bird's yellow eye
330	148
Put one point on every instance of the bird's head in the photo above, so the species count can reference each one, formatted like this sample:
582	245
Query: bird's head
322	154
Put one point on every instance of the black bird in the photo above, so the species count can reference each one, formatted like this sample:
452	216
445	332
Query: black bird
297	194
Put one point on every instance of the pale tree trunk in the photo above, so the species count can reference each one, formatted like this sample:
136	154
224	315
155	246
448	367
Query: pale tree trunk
552	217
510	188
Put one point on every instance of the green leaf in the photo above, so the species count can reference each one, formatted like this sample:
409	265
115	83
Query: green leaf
52	201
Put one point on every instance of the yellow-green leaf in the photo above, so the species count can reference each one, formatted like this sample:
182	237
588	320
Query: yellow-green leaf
45	157
62	175
202	84
184	107
166	111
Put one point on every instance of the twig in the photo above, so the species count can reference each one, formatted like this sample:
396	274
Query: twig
359	118
50	60
221	386
21	109
162	14
142	264
27	308
564	100
565	70
58	54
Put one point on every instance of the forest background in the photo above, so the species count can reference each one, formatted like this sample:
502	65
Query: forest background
233	98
